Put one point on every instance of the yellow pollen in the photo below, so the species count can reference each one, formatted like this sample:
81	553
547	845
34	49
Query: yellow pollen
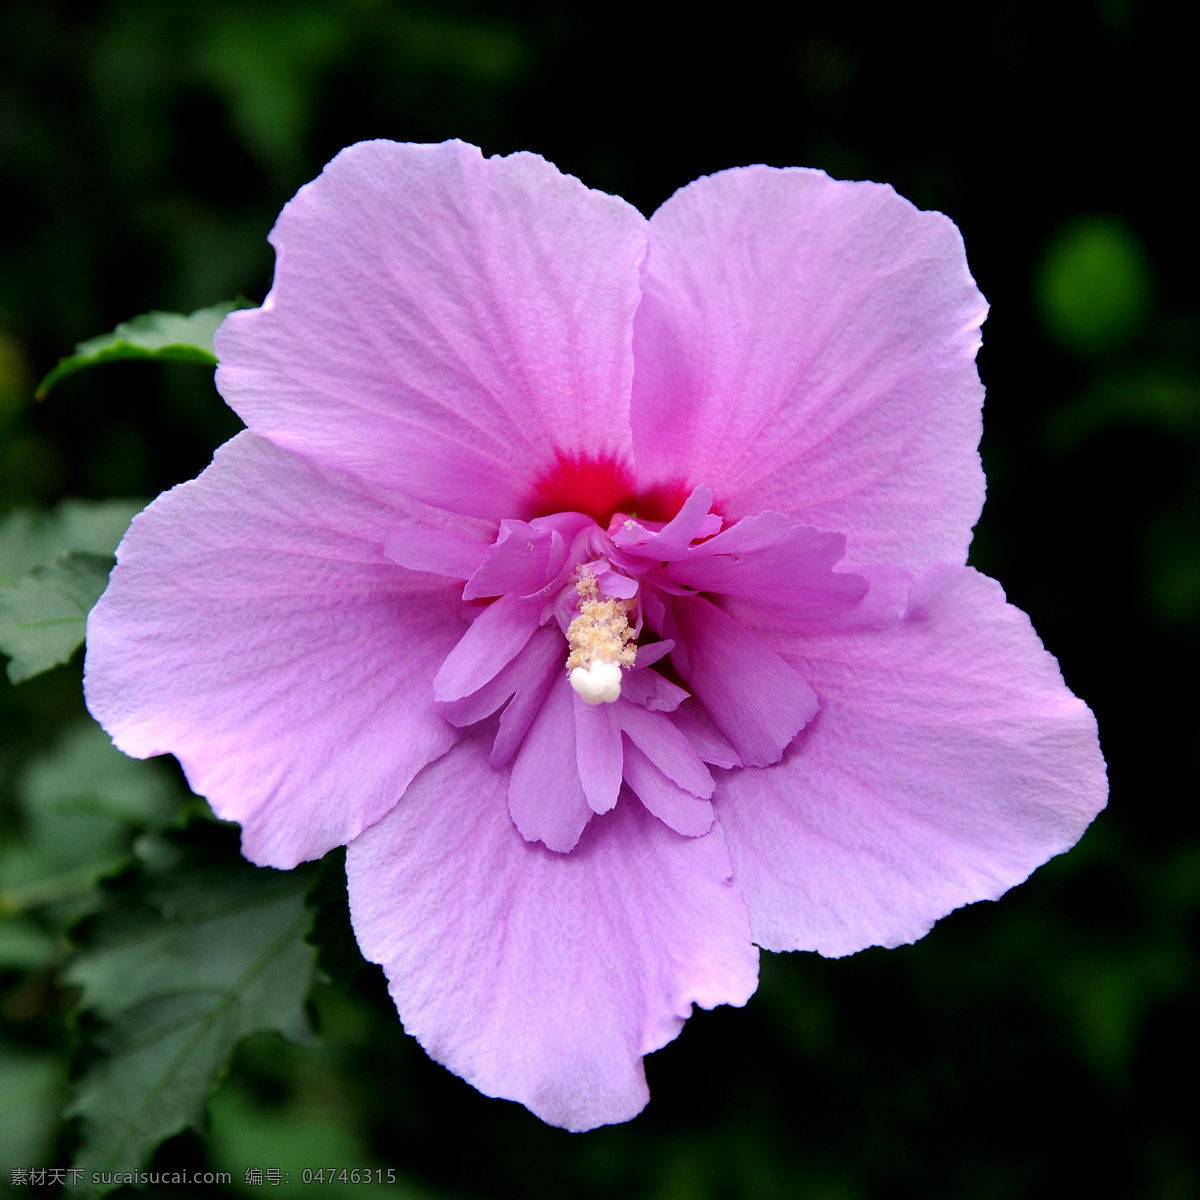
601	633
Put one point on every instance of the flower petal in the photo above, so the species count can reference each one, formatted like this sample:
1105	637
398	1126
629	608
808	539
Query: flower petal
947	762
440	321
808	345
423	548
518	562
598	753
437	541
673	539
681	810
254	628
775	621
486	647
545	798
706	739
766	557
540	977
650	690
528	673
542	662
654	733
754	697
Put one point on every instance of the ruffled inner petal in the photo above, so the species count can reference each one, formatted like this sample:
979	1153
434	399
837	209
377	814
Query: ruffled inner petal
755	698
768	557
598	754
649	689
706	739
543	664
751	702
674	537
516	563
524	673
545	651
660	616
655	734
674	806
492	640
545	797
527	556
616	585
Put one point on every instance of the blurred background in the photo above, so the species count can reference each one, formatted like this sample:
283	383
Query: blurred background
1024	1049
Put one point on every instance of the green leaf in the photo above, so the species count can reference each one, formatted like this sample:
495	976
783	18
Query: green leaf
180	968
81	806
53	567
165	337
43	619
87	776
31	537
24	946
30	1088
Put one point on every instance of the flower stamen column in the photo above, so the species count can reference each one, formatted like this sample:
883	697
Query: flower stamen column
601	641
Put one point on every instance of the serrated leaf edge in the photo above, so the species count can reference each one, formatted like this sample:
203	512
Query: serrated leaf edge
269	953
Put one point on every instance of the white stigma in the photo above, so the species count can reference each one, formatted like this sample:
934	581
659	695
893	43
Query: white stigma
601	644
598	684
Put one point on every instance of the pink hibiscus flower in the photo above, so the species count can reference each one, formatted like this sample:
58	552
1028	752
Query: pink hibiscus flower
600	582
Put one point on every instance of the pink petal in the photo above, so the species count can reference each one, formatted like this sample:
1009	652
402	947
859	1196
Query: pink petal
540	977
674	537
441	323
768	558
437	541
526	673
706	739
542	663
616	585
254	629
423	548
654	733
681	810
948	761
545	797
598	754
523	560
487	645
651	652
755	699
808	346
651	690
660	616
774	620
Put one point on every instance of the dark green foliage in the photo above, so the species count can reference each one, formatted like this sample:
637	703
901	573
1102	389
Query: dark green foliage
53	568
338	954
81	811
188	957
158	336
43	618
81	807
